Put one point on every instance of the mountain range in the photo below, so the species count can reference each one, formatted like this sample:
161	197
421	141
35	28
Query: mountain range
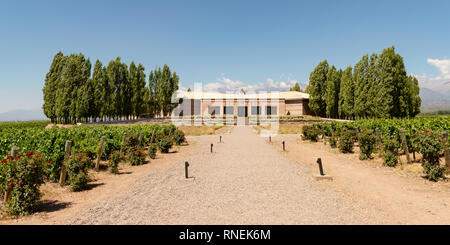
435	96
22	115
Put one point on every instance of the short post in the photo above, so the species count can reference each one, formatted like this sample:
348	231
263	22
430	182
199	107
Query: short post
62	177
140	138
211	147
405	146
319	161
284	146
15	151
331	130
7	197
446	150
220	141
123	142
153	134
357	133
8	193
99	153
380	152
270	138
186	166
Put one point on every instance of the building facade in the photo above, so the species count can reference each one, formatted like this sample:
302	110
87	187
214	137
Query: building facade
206	104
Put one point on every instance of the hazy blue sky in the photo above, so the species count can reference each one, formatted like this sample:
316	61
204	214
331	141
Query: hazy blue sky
216	41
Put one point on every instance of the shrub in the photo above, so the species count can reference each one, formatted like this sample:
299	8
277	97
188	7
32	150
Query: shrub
116	157
77	169
152	151
390	159
179	137
169	130
346	141
136	157
333	142
165	143
390	148
131	140
310	133
367	141
434	171
24	175
429	144
53	169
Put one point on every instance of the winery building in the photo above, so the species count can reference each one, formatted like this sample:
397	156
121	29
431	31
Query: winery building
241	105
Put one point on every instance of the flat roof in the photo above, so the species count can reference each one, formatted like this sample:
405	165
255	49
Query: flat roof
287	95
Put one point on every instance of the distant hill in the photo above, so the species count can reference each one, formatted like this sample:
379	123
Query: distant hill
22	115
433	100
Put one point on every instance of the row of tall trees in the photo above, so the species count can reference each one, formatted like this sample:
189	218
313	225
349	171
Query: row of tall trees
113	92
377	86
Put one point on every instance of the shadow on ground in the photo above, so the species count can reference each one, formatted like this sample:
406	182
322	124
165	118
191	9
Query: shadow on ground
52	206
92	186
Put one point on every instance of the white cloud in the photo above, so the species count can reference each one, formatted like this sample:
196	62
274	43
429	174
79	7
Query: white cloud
226	85
440	83
443	66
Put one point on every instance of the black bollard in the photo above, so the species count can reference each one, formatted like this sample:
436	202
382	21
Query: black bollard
211	148
284	147
319	161
186	165
270	138
220	139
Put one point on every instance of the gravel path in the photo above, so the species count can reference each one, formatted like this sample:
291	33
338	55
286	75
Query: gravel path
245	181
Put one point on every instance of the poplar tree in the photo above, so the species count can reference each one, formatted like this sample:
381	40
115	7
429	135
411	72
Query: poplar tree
162	86
173	87
361	86
117	75
107	93
126	92
372	81
414	100
67	93
97	84
316	89
137	77
346	94
153	106
332	92
52	80
387	86
132	78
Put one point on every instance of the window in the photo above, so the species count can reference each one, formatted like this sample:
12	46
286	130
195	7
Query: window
213	110
242	111
228	110
256	110
271	110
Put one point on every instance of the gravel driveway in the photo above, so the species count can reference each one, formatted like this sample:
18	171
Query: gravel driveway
245	181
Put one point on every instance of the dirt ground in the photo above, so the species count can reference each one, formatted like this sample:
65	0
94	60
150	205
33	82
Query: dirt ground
243	181
361	192
203	130
60	204
402	192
